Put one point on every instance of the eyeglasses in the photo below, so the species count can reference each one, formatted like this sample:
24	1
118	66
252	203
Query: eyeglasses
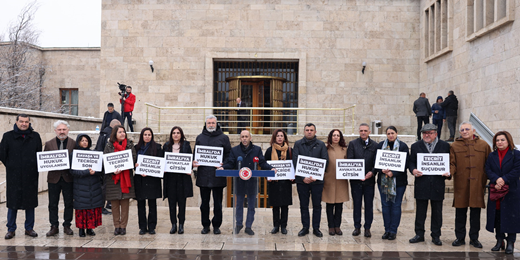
465	129
429	133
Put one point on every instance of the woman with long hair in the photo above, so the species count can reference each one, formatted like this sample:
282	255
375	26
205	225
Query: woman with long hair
147	188
335	191
392	185
177	186
503	172
279	191
120	184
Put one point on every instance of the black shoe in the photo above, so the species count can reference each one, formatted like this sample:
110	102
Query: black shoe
174	229
385	235
436	241
82	232
122	231
181	228
104	211
332	232
90	232
249	231
284	231
303	232
391	236
275	230
142	231
475	243
317	232
151	232
416	239
116	231
458	242
356	232
216	231
204	230
238	228
368	233
500	245
9	235
109	205
510	247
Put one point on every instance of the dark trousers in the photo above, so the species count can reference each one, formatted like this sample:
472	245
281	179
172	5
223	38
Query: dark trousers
392	210
11	219
304	192
360	192
452	121
420	217
128	115
334	211
420	121
173	202
55	189
251	199
280	216
511	237
438	123
460	222
151	222
205	194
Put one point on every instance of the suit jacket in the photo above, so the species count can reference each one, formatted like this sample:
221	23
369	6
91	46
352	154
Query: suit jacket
421	107
54	176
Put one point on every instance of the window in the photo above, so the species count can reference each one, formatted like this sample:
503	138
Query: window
437	29
69	101
484	16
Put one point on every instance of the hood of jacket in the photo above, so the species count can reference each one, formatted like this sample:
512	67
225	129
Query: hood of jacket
79	139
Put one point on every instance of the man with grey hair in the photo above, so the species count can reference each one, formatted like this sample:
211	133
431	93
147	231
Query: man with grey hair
206	180
60	182
468	155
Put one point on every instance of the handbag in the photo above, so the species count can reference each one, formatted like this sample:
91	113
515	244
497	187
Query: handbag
495	194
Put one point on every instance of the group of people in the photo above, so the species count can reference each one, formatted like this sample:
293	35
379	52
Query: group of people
441	111
472	164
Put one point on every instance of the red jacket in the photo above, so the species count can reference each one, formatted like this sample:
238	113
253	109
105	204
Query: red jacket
129	102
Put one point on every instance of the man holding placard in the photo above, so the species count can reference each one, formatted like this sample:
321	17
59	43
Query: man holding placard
60	182
310	147
426	155
18	153
211	136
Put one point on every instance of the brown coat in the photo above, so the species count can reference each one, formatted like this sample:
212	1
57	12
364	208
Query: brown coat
54	176
467	166
113	190
334	191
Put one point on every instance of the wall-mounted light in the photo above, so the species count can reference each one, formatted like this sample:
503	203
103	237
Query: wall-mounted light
364	66
151	64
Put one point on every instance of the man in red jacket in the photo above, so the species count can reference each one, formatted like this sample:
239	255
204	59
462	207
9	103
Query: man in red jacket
129	99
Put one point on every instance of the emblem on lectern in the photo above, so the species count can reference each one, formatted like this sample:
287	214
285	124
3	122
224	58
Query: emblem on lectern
245	173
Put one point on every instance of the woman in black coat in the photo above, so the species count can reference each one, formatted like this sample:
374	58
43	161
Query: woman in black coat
87	193
279	191
177	186
147	188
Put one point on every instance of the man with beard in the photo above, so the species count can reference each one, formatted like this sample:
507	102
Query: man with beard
60	182
18	153
206	180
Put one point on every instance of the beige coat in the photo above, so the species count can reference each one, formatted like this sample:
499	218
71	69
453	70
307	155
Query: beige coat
334	191
467	166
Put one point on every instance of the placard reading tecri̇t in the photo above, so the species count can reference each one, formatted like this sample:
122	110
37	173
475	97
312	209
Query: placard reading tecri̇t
433	163
150	166
391	160
53	160
310	167
119	160
209	155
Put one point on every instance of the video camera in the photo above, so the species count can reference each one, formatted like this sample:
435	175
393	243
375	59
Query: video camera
122	88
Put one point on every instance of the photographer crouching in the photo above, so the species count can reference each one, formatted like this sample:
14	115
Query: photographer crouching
127	100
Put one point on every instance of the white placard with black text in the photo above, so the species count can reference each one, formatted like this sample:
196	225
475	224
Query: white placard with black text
84	159
209	155
350	169
391	160
121	160
284	170
433	163
178	162
310	167
53	160
150	166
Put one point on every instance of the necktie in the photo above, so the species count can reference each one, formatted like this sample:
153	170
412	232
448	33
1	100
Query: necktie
61	144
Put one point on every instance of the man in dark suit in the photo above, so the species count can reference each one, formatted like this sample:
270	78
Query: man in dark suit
60	182
241	116
423	111
428	187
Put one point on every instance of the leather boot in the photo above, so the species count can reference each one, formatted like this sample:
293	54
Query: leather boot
181	228
510	248
81	232
500	245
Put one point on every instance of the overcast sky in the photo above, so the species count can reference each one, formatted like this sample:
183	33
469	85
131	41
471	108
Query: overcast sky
62	23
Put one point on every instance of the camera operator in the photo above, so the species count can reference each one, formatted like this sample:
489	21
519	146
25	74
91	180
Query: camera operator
129	100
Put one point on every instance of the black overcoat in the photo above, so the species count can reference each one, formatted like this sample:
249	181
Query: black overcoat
148	187
177	182
280	192
206	174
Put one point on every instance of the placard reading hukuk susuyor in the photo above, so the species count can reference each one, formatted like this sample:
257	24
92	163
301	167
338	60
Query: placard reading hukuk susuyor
391	160
150	166
119	160
209	155
310	167
53	160
83	160
350	169
433	163
284	170
178	162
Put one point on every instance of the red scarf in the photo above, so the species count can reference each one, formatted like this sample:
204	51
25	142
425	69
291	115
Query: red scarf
124	176
501	155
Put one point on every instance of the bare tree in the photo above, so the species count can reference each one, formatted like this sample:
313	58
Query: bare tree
22	69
